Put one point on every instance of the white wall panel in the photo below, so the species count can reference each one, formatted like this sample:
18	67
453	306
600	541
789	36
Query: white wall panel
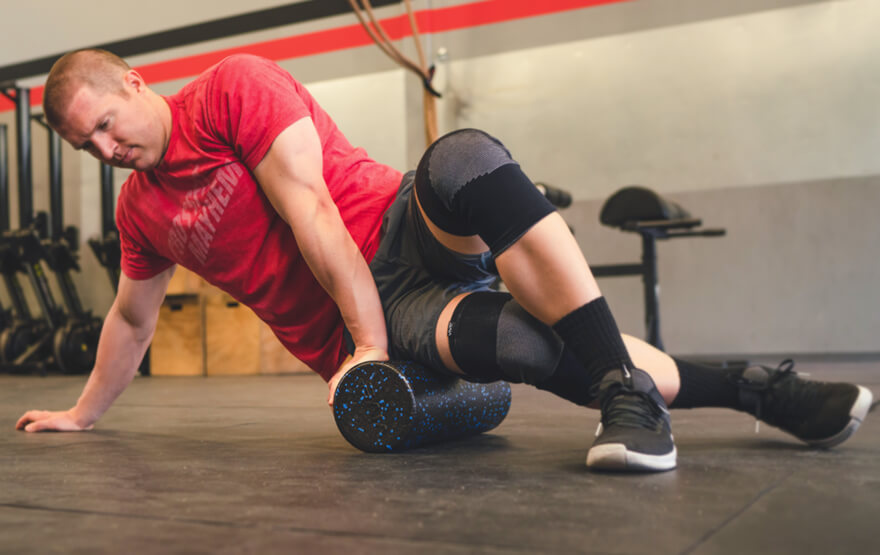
770	97
370	111
38	28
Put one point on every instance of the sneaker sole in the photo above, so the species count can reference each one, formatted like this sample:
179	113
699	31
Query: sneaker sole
615	456
857	414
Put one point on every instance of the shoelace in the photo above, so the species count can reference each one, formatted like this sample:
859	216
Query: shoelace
783	371
618	407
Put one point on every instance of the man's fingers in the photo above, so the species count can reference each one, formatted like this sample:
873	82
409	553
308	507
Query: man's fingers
42	420
349	363
332	386
29	416
37	426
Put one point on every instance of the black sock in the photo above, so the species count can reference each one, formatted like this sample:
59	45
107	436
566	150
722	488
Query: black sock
704	386
591	334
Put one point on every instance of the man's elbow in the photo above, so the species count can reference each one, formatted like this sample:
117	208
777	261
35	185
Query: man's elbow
140	320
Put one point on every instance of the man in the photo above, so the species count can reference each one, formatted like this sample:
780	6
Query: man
244	179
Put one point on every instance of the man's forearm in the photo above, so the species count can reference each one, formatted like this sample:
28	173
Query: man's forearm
361	308
120	351
340	268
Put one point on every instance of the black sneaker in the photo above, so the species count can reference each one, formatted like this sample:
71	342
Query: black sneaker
634	433
819	413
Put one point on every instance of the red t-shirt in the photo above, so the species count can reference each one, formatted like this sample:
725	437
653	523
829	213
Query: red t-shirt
202	208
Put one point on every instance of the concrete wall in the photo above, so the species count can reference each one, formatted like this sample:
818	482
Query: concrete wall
757	115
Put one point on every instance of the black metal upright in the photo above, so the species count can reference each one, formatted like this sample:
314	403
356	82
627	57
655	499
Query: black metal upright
650	280
106	247
108	219
4	179
56	198
23	141
651	284
16	294
6	317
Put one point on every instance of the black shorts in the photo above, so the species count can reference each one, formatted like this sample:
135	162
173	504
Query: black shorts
417	277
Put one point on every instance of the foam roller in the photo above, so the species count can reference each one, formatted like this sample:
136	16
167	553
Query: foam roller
383	407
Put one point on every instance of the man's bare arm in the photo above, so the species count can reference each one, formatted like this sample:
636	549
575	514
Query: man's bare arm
291	175
125	336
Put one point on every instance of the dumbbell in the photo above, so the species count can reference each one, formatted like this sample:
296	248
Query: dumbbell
382	407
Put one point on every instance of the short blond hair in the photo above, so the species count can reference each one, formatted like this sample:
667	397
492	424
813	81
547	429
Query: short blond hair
98	69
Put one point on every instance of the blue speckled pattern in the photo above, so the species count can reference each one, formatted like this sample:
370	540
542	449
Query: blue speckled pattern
382	407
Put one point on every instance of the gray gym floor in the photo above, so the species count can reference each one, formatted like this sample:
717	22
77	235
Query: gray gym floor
256	465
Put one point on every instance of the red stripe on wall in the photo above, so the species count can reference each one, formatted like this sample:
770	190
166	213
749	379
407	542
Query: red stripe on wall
438	20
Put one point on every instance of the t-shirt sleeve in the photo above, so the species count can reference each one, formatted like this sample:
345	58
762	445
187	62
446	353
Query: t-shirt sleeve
138	262
251	101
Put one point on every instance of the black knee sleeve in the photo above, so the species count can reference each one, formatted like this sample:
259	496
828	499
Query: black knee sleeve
491	337
468	184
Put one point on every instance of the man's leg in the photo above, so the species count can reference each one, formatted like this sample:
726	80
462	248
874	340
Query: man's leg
488	336
458	183
474	197
528	351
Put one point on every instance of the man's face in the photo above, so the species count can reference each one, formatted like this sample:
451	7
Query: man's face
122	131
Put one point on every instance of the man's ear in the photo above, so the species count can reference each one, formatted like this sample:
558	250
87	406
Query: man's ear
134	82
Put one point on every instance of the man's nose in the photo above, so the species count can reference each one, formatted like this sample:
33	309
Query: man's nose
105	147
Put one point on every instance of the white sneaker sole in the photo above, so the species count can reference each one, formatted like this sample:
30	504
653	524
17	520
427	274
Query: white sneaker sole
857	414
615	456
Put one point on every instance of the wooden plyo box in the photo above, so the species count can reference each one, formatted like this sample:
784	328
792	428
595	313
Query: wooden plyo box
232	337
237	342
275	358
178	344
210	333
184	282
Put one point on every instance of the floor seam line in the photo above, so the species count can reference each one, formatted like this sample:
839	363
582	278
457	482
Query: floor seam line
708	535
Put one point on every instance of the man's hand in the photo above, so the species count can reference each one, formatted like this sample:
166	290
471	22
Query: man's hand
125	336
49	421
360	355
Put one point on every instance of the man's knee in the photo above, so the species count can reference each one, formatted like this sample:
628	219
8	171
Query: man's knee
455	160
468	184
491	337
